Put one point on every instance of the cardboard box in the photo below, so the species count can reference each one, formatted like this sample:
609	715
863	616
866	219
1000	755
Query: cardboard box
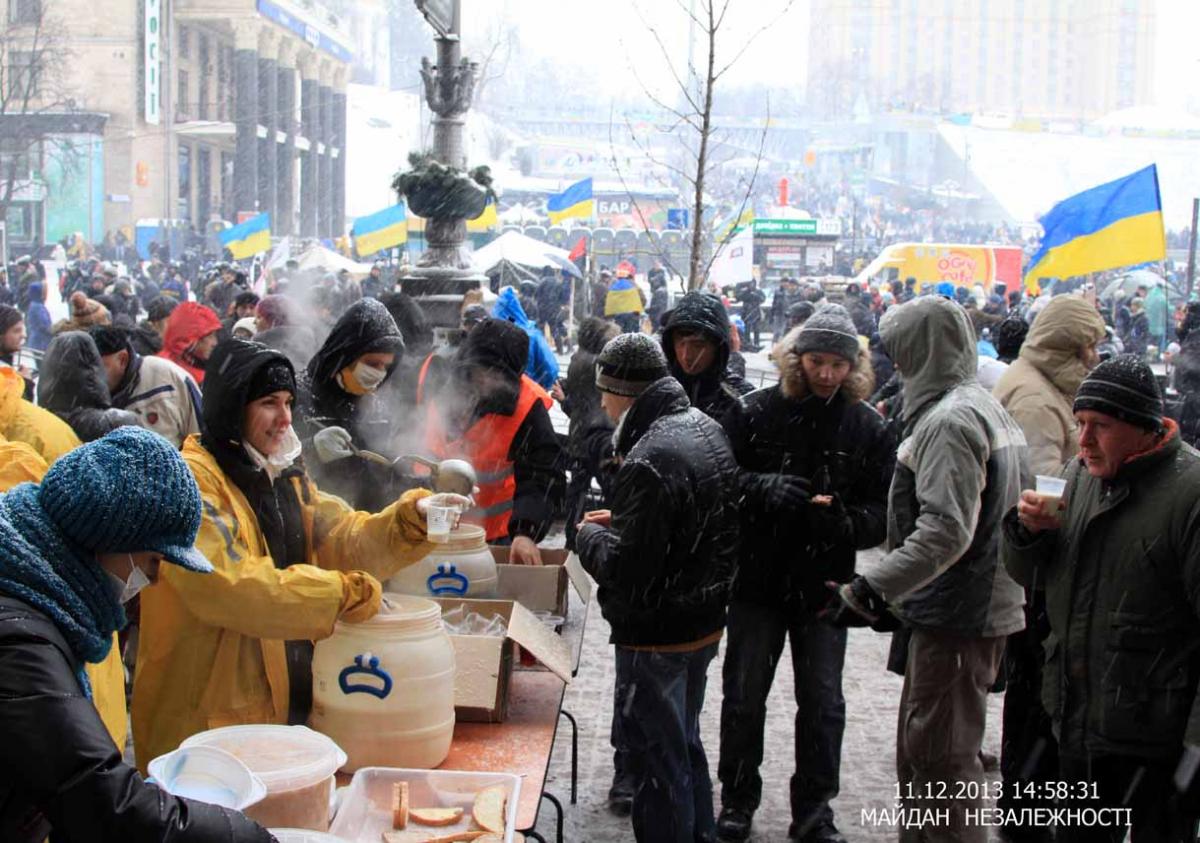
485	663
541	588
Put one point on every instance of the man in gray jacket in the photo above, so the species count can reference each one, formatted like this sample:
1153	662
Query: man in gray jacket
958	470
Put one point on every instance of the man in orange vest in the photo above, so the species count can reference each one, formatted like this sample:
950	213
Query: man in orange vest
495	417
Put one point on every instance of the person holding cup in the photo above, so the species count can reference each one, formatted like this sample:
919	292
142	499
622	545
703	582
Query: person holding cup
290	561
1119	558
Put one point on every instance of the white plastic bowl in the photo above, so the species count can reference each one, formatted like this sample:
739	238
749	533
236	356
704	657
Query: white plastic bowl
303	835
208	774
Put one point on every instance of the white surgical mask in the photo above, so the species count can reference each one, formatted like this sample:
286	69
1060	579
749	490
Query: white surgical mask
368	377
127	589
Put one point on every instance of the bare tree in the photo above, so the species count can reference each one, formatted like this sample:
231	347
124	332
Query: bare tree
692	122
32	58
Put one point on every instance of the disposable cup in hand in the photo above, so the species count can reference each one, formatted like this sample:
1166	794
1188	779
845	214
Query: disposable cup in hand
439	522
1050	491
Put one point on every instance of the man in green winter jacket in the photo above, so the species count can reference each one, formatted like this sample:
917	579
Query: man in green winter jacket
1119	558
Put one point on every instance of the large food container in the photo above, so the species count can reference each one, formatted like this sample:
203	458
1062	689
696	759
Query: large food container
366	810
295	764
302	835
384	689
461	567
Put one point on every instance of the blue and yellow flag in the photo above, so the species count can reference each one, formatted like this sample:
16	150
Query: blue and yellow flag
380	230
487	220
248	238
623	297
575	201
1113	225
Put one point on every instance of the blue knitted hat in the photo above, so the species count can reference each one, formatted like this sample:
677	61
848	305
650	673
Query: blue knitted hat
127	491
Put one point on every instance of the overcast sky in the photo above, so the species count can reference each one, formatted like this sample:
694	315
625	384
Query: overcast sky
603	37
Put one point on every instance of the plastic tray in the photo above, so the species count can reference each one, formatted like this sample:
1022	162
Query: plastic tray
303	835
366	806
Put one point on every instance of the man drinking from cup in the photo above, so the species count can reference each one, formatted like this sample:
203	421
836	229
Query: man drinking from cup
1119	556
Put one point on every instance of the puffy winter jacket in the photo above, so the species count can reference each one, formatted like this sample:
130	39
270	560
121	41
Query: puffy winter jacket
162	396
365	328
73	386
842	447
212	649
715	392
188	324
542	365
63	772
1122	581
666	564
961	465
1040	385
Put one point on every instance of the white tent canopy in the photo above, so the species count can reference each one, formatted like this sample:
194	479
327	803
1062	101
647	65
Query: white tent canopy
316	256
516	248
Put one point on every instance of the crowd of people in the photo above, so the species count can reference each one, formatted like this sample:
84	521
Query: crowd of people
256	445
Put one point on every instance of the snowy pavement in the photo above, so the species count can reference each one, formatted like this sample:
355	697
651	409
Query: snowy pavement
868	754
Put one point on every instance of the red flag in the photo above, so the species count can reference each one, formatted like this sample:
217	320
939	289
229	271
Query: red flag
580	249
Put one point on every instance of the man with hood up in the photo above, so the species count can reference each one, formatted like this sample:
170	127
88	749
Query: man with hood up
337	401
73	385
498	419
1038	390
696	341
541	365
960	467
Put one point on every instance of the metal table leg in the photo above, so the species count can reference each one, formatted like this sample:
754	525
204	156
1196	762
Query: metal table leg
574	753
558	809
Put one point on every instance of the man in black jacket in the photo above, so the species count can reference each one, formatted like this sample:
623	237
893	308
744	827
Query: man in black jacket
817	461
696	341
664	559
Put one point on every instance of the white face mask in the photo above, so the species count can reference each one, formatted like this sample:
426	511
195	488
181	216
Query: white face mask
368	377
125	590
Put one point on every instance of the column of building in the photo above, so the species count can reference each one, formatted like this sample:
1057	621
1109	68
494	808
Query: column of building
268	117
339	163
245	117
285	179
328	143
310	128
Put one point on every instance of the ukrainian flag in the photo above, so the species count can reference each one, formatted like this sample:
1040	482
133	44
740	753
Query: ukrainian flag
575	201
1113	225
380	230
248	238
623	297
485	221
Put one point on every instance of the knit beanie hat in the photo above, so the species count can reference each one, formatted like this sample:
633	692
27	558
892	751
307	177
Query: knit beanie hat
274	377
9	316
127	491
830	330
630	363
160	308
1124	388
109	339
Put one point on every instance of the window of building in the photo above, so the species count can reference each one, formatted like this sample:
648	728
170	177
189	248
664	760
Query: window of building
24	11
25	155
185	39
22	76
185	182
183	104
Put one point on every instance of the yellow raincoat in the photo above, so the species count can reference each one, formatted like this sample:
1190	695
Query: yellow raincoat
21	421
20	463
211	651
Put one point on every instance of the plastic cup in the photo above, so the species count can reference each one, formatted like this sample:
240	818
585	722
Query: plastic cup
439	522
1050	491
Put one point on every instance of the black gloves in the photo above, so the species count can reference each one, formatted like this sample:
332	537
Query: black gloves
832	521
857	604
783	492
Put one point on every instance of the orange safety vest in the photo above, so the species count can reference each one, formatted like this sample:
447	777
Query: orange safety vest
486	446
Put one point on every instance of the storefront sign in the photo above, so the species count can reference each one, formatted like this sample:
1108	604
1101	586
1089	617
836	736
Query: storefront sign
151	60
314	36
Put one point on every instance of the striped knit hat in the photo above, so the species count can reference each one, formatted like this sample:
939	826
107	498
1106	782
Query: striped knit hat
1124	388
127	491
630	363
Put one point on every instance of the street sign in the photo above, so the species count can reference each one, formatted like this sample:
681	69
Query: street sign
442	15
829	228
679	219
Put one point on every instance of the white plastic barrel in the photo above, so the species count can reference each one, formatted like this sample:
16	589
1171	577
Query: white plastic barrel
461	567
383	690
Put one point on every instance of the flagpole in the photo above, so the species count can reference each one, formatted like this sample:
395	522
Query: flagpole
1191	272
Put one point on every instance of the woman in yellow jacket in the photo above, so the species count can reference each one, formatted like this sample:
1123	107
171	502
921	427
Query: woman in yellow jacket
30	439
235	646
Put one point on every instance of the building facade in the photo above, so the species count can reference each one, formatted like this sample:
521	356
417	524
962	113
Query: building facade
190	111
1067	59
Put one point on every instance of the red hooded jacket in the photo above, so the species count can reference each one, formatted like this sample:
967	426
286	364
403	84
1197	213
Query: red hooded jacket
188	324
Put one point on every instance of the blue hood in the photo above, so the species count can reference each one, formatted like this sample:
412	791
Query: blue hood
508	307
